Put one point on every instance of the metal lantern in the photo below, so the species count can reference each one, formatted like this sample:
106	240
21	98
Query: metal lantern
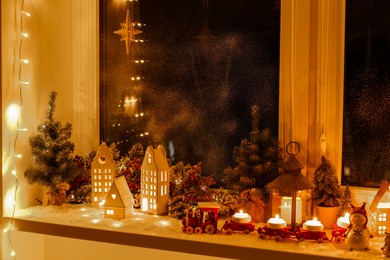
291	180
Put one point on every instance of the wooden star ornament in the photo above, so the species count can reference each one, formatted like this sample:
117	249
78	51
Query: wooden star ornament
127	31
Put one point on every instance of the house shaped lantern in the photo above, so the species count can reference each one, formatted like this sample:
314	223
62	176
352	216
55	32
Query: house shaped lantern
102	175
380	212
291	180
119	202
155	181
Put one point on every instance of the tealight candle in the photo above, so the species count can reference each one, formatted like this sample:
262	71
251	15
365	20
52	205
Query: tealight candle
240	217
343	222
276	222
313	225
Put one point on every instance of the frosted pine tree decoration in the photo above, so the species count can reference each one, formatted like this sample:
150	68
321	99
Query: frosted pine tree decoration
327	190
53	163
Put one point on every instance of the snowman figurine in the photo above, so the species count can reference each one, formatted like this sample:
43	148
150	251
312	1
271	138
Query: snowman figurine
357	236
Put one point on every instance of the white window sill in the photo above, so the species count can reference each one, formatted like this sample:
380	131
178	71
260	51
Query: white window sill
164	233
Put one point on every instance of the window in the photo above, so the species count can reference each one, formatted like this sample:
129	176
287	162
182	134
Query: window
382	217
381	230
366	146
196	81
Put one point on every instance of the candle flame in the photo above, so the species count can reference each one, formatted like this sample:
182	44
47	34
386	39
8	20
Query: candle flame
315	219
276	216
346	215
241	211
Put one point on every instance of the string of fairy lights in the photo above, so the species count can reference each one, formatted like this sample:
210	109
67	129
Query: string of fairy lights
19	63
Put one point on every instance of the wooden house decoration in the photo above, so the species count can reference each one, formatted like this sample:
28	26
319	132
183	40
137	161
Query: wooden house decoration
119	202
155	181
102	175
380	212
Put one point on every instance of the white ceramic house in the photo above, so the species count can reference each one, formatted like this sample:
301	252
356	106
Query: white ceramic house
155	181
119	202
102	175
379	221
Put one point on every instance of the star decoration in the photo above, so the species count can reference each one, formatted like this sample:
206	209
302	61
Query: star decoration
127	31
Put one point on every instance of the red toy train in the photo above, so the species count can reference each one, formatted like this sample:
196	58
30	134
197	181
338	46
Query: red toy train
205	221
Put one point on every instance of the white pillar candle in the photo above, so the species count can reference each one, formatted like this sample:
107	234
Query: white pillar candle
276	222
313	225
240	217
343	222
285	209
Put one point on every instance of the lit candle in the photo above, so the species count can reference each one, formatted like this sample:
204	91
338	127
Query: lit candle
343	222
240	217
313	225
285	209
276	222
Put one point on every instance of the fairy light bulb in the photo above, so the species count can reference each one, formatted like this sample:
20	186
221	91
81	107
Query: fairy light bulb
24	34
25	61
24	82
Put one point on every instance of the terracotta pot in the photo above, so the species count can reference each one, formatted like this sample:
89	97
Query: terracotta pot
327	215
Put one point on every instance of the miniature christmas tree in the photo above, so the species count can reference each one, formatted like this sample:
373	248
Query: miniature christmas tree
257	159
345	202
327	190
54	166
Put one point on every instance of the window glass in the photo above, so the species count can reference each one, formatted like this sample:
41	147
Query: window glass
366	146
187	75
